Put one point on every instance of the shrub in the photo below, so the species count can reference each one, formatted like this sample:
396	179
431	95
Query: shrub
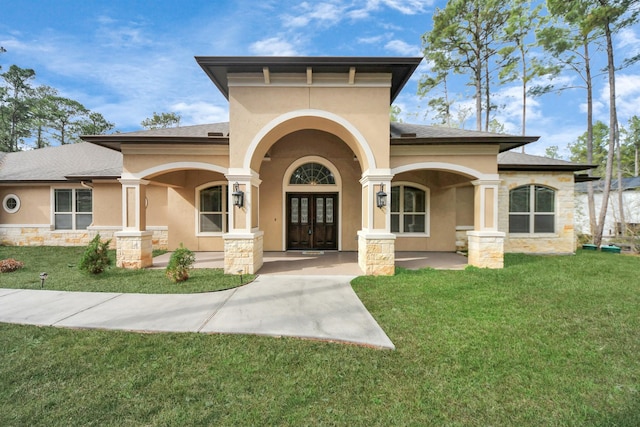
179	264
8	265
95	258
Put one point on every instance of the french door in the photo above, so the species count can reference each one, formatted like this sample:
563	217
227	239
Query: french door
312	221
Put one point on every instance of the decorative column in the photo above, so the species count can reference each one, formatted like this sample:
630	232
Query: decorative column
486	243
134	244
376	243
243	244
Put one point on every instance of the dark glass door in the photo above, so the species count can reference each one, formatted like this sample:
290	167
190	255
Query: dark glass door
312	221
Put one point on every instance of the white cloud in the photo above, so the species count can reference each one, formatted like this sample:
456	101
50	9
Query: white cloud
200	112
406	7
273	46
403	48
325	14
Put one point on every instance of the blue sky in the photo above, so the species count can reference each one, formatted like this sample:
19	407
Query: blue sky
129	58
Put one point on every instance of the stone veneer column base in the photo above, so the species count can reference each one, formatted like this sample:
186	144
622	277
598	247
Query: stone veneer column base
486	249
134	249
376	253
243	253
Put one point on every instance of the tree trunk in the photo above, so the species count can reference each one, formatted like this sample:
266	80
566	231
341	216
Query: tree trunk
623	222
613	119
524	92
593	224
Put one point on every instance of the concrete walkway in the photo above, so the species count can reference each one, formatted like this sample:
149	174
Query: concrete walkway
312	307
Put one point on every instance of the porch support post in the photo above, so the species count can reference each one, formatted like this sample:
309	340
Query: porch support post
243	244
134	245
376	243
486	243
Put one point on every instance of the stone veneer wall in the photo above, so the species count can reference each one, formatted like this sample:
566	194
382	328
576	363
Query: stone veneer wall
44	236
376	256
134	249
486	249
560	242
243	255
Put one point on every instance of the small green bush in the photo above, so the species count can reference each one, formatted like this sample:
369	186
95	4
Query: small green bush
179	264
8	265
95	258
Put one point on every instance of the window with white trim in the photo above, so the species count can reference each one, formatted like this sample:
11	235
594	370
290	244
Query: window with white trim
11	203
532	209
213	212
409	209
73	208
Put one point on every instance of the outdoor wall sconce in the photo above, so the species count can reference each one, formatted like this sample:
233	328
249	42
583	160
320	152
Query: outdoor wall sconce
238	196
381	197
43	277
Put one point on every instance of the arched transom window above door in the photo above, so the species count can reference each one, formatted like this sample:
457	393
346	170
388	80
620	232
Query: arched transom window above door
312	174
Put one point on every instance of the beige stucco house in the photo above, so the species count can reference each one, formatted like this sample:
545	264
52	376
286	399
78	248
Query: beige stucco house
307	161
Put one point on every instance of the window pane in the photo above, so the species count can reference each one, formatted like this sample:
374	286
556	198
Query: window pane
395	223
544	224
294	211
63	200
414	223
329	210
544	199
304	210
519	199
83	201
83	221
413	200
320	210
312	173
63	222
518	223
211	199
395	199
211	223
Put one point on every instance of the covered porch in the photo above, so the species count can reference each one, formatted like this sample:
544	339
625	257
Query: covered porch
320	263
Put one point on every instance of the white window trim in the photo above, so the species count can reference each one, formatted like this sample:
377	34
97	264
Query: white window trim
532	213
7	208
73	212
427	220
225	211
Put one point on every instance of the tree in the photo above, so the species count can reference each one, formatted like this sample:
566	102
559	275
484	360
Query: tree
66	116
394	114
162	120
602	18
469	32
599	151
632	139
523	21
15	107
552	152
42	108
94	124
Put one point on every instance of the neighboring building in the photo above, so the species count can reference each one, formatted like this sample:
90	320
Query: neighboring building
631	206
308	161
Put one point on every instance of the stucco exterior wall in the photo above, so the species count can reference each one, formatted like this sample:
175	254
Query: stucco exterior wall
560	242
35	205
282	155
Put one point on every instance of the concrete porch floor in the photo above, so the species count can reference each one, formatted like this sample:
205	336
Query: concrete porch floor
318	263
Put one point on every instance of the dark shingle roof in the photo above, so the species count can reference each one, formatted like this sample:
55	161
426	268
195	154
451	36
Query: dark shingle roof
627	184
511	160
82	160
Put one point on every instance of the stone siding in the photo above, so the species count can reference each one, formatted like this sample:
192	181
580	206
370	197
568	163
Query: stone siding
376	256
560	242
486	249
44	236
243	255
134	249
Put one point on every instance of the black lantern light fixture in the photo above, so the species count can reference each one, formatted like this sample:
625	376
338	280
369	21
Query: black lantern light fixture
238	196
381	197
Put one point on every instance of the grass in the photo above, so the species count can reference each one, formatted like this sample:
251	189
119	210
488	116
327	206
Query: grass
546	341
61	265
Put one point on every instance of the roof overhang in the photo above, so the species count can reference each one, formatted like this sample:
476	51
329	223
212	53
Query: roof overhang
506	143
218	68
115	141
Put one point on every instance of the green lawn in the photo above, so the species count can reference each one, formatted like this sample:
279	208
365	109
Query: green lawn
61	265
547	341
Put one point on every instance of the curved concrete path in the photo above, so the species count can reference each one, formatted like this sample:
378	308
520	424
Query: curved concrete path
312	307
